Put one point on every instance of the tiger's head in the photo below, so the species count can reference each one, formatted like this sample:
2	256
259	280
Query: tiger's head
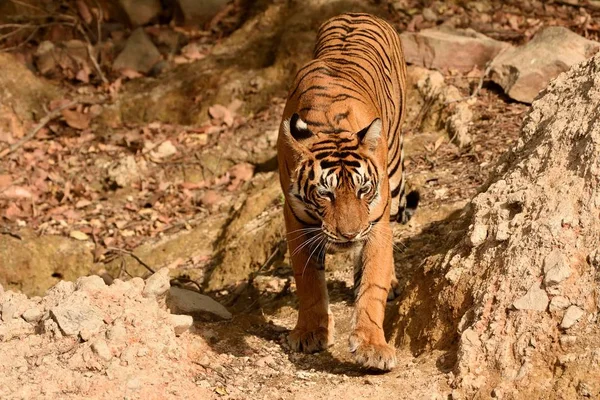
339	181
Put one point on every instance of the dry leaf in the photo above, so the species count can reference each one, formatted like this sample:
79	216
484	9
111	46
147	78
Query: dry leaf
130	73
16	192
78	235
84	11
438	143
5	181
76	119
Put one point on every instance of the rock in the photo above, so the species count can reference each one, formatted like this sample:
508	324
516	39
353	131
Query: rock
535	299
90	283
117	333
1	291
101	349
140	12
503	231
181	323
124	172
265	361
449	48
158	284
22	91
556	269
458	124
478	235
559	303
29	264
199	12
572	315
139	53
75	316
183	301
33	314
524	71
165	149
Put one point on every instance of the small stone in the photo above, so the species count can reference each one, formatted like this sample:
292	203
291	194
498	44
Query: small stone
85	334
535	299
165	149
117	333
183	301
557	274
139	53
429	15
196	12
33	314
78	235
568	340
572	315
140	12
559	303
124	172
90	283
265	361
73	317
181	323
101	349
158	284
478	235
503	232
584	390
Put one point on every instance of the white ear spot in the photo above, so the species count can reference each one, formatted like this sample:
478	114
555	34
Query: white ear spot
301	125
370	135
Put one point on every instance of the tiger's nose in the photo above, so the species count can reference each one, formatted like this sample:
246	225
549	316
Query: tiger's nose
348	235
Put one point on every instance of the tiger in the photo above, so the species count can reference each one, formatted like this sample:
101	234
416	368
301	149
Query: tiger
340	152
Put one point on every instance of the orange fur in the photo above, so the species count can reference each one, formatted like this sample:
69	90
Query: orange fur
341	170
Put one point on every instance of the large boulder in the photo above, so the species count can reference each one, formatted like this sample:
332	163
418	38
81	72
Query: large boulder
449	48
524	71
509	286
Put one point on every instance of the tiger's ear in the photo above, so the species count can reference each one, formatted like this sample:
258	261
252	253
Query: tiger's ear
371	134
297	128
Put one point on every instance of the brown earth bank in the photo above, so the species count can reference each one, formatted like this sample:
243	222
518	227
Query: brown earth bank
163	169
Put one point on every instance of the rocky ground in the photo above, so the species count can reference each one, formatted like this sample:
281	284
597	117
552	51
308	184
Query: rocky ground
154	151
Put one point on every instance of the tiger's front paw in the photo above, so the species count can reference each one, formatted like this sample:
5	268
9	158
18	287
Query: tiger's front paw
310	341
379	356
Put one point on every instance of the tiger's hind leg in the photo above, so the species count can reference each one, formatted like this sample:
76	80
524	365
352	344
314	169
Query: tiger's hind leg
367	341
314	329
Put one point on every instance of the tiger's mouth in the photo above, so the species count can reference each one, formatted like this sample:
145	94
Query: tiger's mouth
337	243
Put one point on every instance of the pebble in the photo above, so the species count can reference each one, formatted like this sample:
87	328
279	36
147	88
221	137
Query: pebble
158	284
265	361
101	349
181	323
478	235
535	299
90	283
572	315
503	232
556	269
117	332
559	303
74	317
33	314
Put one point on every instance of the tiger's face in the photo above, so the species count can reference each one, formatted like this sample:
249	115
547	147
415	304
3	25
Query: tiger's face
337	184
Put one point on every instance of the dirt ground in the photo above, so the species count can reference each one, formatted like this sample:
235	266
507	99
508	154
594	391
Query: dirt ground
130	197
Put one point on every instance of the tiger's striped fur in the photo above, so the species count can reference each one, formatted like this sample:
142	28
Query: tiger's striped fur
341	161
